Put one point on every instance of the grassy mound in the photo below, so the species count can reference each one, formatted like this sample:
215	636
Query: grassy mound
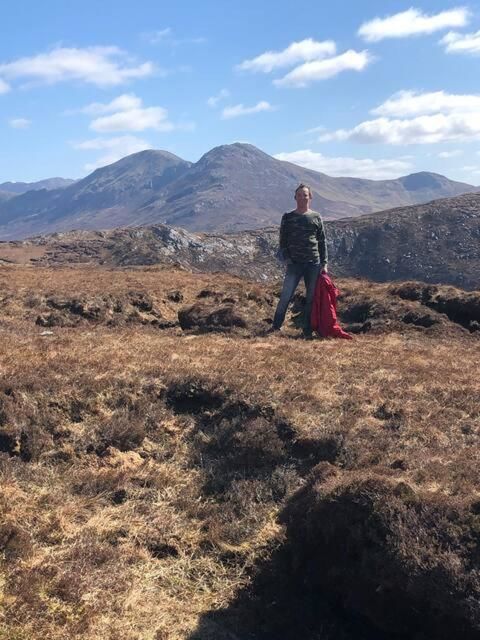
405	559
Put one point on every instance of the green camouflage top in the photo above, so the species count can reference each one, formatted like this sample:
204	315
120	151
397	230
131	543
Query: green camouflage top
302	238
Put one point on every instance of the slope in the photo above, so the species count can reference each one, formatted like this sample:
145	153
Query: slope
105	198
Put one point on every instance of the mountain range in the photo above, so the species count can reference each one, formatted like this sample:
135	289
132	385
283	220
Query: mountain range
231	188
16	188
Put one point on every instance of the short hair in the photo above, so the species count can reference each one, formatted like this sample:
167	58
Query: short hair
303	186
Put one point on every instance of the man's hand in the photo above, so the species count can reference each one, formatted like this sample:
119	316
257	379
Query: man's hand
324	269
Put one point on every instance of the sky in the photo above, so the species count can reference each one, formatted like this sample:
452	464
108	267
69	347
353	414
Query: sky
371	89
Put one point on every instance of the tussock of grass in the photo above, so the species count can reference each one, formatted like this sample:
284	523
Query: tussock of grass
405	558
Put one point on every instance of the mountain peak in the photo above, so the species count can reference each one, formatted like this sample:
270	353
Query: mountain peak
425	180
235	149
145	156
148	163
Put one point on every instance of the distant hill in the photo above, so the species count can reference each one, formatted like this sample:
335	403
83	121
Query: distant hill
232	187
437	242
105	198
22	187
5	195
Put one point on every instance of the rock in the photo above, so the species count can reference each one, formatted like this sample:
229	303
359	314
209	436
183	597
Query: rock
175	296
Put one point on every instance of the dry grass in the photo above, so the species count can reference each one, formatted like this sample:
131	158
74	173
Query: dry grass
18	253
144	470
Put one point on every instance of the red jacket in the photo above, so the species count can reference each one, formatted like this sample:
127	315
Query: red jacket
324	310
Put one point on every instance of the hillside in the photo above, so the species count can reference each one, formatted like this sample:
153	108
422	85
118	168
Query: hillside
104	198
434	242
5	195
437	242
232	187
169	472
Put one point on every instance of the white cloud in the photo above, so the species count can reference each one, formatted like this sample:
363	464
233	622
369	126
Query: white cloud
115	149
462	42
471	169
410	117
314	130
345	166
134	120
412	103
411	23
420	130
122	103
303	51
454	153
166	36
4	87
154	37
214	100
127	113
19	123
309	72
240	110
102	66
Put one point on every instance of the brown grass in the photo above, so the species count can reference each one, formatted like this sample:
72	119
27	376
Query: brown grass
143	470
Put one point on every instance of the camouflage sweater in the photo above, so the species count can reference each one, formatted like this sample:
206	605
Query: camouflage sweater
302	238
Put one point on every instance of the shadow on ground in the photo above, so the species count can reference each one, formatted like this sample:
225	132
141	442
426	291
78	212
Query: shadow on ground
276	606
364	557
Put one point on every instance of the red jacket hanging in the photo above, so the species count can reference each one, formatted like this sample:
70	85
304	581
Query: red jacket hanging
324	310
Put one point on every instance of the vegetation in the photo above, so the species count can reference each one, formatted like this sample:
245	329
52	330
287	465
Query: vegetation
160	482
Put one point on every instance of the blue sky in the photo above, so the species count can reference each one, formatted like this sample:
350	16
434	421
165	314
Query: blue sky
370	89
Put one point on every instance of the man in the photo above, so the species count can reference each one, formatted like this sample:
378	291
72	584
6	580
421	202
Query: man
303	248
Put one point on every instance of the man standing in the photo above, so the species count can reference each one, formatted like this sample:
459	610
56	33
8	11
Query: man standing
303	248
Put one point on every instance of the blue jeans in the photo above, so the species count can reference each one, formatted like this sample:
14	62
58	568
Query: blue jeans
295	271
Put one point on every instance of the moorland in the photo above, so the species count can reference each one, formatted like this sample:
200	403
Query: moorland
169	471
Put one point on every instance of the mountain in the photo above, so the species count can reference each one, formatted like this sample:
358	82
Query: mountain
437	242
232	187
238	186
22	187
5	195
105	198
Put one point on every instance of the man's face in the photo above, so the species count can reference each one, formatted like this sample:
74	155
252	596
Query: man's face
302	197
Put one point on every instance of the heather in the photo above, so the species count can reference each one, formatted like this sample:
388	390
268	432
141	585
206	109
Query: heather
169	471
